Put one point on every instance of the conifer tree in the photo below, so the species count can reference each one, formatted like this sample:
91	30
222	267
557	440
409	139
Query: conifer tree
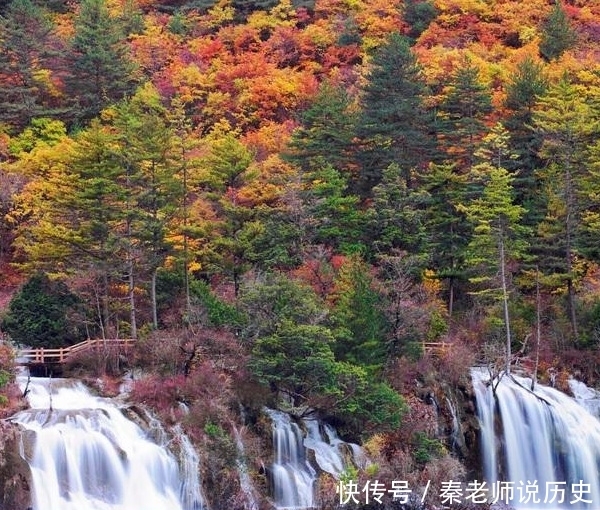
146	143
448	230
326	132
394	126
39	314
360	324
334	217
419	14
557	33
462	112
567	124
396	216
97	198
498	238
102	72
25	47
526	86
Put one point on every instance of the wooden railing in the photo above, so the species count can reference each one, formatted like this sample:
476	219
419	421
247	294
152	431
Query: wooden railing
436	348
62	354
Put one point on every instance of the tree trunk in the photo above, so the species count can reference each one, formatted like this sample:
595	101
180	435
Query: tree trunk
131	292
505	302
153	297
538	328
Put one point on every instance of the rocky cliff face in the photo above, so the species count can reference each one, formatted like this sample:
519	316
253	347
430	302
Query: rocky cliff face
15	479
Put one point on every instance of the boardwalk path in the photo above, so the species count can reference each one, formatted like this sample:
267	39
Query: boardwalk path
62	354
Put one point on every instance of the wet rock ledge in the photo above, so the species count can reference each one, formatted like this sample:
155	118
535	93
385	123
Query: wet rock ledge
15	480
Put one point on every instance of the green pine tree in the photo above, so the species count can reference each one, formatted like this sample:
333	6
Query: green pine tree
567	124
557	33
326	132
418	14
396	216
38	315
333	214
449	232
146	142
526	86
498	240
394	125
101	70
26	89
461	115
359	321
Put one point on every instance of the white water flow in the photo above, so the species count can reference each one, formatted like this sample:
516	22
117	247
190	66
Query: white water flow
85	455
293	478
301	454
544	438
331	454
455	435
245	482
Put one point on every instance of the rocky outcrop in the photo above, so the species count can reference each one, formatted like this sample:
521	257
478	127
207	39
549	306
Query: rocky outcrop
15	480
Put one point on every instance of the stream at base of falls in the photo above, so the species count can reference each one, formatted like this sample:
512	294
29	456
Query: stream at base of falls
84	454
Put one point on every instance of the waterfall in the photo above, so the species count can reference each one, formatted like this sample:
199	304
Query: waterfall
84	454
293	473
293	477
544	437
587	397
190	491
330	452
245	481
457	440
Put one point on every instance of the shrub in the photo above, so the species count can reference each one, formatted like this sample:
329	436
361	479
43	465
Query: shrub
161	394
38	315
218	312
161	352
426	448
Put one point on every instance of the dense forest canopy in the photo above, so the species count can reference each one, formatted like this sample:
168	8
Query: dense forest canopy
330	183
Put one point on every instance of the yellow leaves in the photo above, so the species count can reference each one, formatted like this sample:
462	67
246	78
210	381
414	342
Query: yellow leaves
155	47
64	27
528	34
45	79
270	138
217	102
220	14
45	162
283	14
479	7
431	283
321	35
189	81
271	178
376	20
284	11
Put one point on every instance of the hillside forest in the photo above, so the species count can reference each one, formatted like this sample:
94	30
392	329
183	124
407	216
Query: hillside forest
287	200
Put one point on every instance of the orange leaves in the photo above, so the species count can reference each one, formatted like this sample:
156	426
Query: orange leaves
155	47
278	95
272	177
377	19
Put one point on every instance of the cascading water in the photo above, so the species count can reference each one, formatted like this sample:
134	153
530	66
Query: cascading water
330	452
456	436
293	475
543	439
85	455
245	481
587	397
